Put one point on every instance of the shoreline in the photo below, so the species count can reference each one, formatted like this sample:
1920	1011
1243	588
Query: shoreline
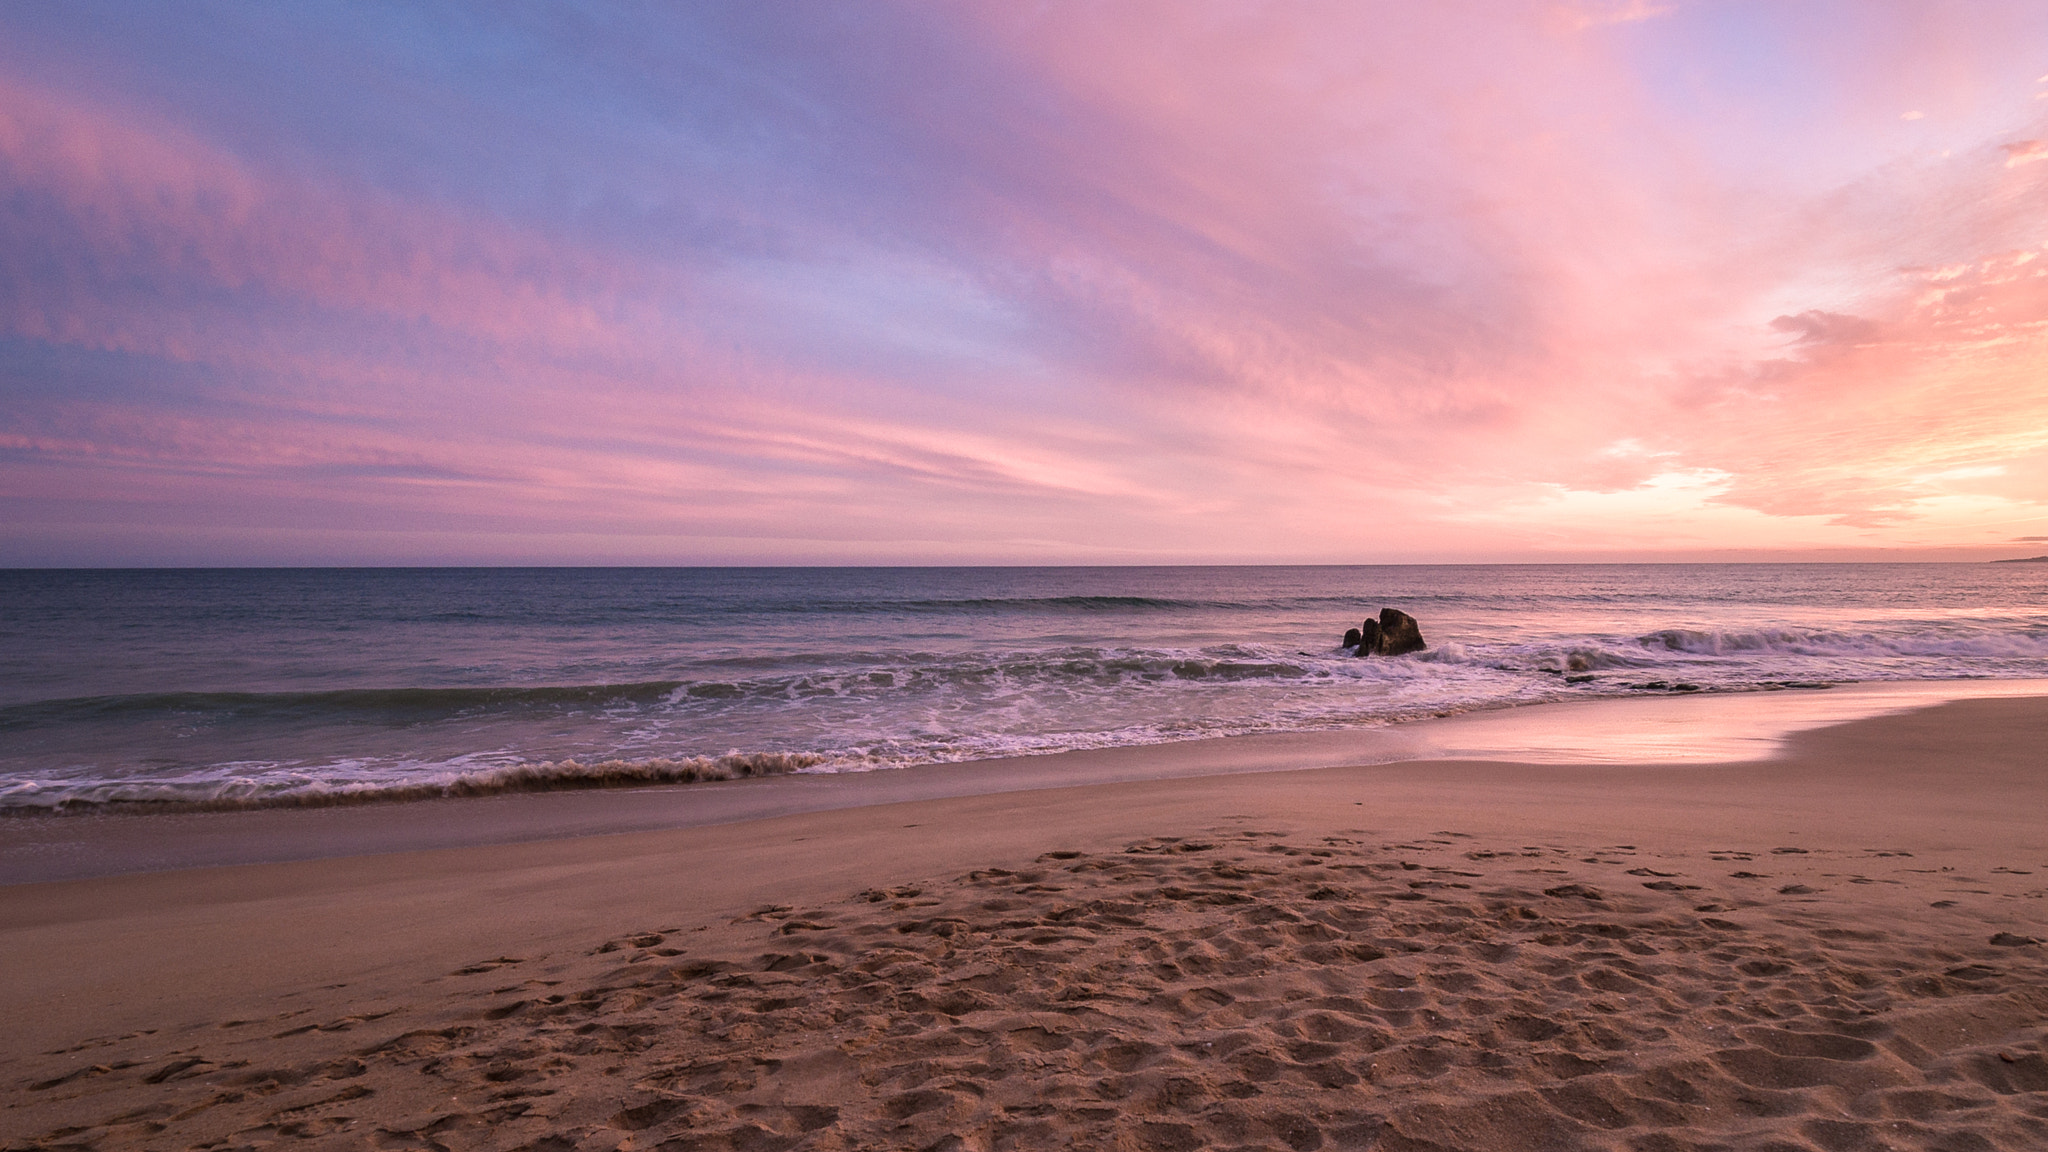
1706	728
1839	944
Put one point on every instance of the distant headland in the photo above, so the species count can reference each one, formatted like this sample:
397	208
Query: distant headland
2024	560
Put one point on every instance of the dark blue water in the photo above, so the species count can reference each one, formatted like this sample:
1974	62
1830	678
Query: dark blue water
198	684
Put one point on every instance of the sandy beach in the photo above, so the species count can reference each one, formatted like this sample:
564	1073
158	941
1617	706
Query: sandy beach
1835	948
996	577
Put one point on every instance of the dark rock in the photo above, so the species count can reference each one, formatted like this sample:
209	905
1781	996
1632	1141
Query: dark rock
1395	633
1399	634
1368	637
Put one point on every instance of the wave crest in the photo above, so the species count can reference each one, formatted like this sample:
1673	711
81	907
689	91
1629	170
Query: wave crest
1928	642
389	702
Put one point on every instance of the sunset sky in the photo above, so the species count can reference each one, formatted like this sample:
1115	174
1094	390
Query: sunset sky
1022	282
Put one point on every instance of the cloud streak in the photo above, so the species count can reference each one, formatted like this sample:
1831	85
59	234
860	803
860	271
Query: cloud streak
988	283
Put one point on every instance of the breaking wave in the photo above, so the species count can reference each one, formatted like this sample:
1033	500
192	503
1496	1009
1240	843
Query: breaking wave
1931	641
159	691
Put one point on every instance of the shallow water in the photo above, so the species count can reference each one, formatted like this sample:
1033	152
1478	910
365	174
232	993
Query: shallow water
274	684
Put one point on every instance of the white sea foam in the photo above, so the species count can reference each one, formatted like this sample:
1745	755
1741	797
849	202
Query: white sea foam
297	790
448	685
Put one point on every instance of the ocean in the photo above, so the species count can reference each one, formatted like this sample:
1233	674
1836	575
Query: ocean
288	686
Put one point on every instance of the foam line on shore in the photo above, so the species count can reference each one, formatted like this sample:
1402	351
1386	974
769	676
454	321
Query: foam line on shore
548	776
1651	734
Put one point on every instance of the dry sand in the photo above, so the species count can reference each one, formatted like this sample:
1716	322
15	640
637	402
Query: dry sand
1835	949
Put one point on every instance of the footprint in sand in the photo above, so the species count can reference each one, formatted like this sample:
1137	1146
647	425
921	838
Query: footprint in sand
1236	990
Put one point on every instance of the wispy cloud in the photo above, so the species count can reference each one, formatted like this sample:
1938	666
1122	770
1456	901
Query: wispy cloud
2024	152
1595	15
1067	281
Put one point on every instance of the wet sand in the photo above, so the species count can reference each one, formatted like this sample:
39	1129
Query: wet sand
1833	949
1700	729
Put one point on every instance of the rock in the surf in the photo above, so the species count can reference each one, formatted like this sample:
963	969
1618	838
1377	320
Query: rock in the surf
1368	637
1395	633
1399	634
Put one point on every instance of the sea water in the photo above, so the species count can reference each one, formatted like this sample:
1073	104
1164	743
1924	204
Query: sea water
294	685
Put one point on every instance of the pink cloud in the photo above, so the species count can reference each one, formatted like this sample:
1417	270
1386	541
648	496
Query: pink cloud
2024	152
115	202
1151	281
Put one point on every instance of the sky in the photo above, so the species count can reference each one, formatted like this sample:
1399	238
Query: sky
1026	281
